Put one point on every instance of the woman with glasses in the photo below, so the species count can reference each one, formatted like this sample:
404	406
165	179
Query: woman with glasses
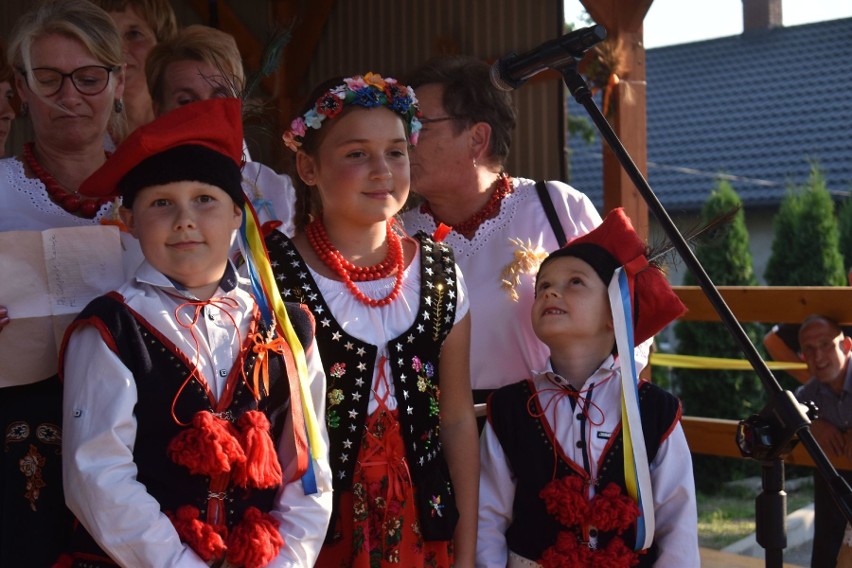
500	226
69	74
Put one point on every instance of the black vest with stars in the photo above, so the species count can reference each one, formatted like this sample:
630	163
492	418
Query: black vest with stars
413	358
529	448
159	369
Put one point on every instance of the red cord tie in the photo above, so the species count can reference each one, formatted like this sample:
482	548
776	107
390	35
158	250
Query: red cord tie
261	368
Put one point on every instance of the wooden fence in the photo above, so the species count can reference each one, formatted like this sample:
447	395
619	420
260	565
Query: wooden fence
776	304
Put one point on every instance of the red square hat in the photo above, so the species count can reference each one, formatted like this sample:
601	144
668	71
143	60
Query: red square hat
201	141
613	244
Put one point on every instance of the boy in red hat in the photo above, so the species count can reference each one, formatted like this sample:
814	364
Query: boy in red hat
185	407
582	465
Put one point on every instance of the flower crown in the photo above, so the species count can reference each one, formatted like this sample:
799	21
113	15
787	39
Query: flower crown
368	91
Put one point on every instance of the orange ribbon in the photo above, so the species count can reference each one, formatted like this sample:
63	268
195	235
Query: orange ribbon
261	367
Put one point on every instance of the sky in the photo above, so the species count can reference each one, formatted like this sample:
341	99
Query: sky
670	22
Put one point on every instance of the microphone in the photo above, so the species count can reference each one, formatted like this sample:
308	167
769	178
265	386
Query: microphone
512	70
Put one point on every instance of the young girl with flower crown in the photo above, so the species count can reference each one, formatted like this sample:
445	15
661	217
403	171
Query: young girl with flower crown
393	334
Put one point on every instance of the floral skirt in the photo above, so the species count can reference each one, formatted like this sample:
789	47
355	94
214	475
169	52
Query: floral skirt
378	517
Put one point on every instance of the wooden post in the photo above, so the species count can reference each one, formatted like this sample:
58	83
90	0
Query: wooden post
623	22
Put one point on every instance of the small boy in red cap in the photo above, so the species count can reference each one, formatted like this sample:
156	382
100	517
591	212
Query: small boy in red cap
184	413
582	464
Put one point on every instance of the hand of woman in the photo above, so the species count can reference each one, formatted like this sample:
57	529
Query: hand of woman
4	317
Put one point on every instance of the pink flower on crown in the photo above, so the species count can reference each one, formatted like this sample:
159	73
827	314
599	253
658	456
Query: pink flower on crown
298	126
355	83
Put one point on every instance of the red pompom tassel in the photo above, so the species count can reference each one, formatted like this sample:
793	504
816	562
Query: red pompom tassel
64	561
612	510
565	499
262	468
616	555
208	447
567	553
255	541
205	539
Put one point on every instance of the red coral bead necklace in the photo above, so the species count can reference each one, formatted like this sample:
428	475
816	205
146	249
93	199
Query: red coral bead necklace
349	273
468	227
70	201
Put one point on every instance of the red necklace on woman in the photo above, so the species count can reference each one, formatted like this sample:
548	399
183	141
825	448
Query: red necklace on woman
468	227
72	202
350	273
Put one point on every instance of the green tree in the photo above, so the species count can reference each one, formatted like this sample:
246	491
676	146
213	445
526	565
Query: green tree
726	258
805	248
844	226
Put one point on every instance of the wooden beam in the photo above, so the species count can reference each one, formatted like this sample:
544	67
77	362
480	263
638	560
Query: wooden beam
308	21
717	437
627	111
777	304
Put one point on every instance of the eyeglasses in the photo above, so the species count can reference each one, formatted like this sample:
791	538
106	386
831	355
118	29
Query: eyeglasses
424	121
88	80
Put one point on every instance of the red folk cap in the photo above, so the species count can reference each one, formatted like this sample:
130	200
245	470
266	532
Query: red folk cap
201	141
613	244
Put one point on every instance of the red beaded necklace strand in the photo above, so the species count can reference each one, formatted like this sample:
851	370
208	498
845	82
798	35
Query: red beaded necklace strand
350	273
468	227
71	202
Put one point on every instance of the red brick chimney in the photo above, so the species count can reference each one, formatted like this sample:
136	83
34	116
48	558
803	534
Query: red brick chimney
761	15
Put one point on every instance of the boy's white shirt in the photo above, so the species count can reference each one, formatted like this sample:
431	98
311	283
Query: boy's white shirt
100	431
671	472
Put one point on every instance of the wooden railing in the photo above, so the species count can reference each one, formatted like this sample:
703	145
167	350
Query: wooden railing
777	304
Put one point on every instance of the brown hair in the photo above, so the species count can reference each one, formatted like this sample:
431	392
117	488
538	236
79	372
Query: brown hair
470	96
308	204
195	43
158	14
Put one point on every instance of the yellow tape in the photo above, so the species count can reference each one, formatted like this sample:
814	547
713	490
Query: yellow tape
716	363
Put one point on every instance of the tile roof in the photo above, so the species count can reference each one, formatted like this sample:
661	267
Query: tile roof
758	106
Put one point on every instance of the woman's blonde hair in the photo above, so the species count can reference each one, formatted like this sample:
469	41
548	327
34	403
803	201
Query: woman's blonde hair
79	20
195	43
158	14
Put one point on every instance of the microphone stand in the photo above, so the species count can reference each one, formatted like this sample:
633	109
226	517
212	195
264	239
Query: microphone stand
774	431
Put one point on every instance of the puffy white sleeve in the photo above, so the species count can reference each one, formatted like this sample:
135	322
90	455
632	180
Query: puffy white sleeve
99	474
304	518
575	210
496	496
675	511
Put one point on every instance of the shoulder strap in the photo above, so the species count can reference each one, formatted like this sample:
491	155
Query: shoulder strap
550	211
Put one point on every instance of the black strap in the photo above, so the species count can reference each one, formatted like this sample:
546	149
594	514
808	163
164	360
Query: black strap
550	211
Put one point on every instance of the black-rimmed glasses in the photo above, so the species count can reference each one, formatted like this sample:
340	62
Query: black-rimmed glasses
88	80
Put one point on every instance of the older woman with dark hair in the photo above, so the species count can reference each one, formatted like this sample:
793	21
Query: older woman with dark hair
501	228
70	78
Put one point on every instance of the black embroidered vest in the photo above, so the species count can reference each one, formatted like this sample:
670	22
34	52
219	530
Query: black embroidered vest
159	369
529	449
413	357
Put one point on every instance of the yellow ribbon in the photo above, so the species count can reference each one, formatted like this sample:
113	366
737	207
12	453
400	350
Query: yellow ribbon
716	363
286	328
